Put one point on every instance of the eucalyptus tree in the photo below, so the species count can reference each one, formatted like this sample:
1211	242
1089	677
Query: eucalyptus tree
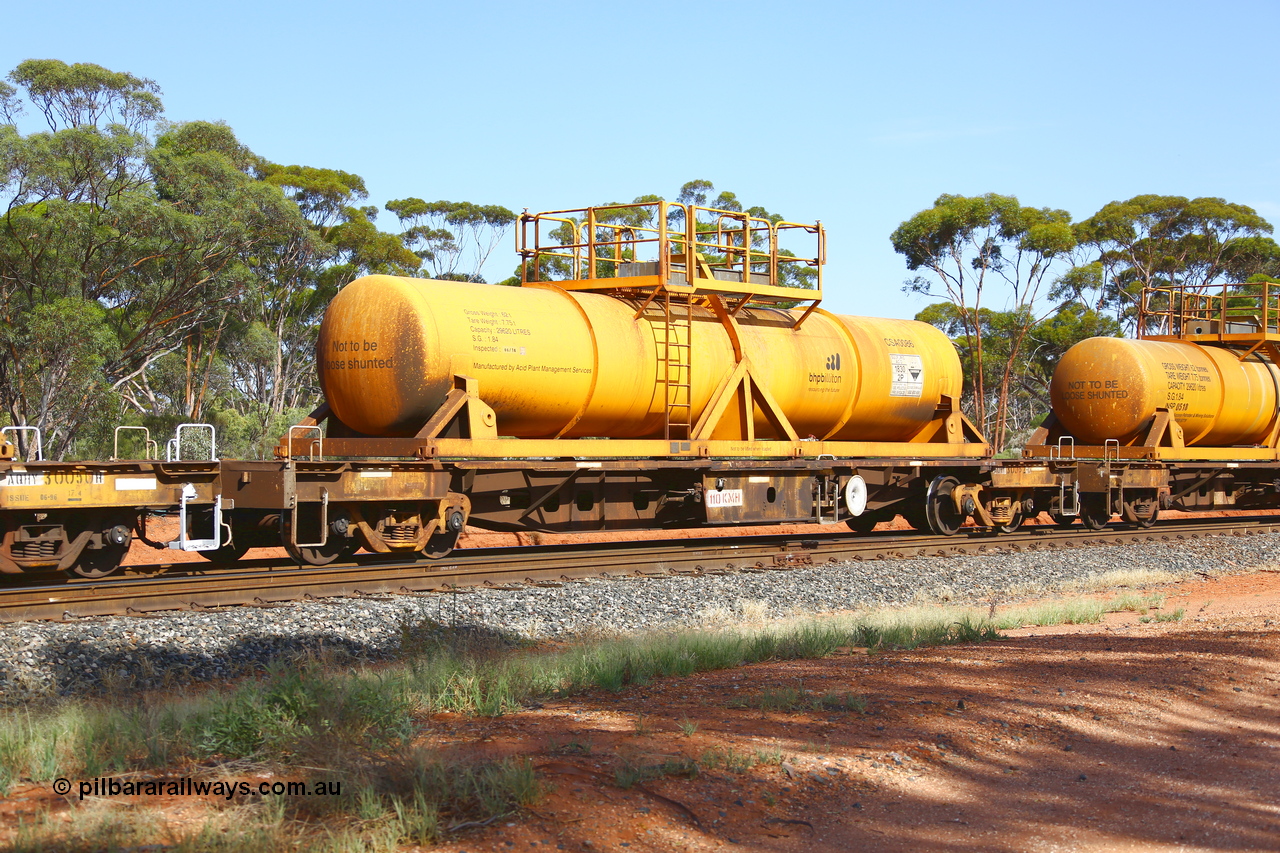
325	239
452	239
1168	242
969	245
138	247
162	271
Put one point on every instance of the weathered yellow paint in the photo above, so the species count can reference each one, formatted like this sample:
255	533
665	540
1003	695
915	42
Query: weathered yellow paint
551	362
1023	477
1110	388
883	409
1139	452
55	486
506	448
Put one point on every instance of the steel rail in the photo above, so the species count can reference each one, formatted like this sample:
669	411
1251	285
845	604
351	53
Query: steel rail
270	582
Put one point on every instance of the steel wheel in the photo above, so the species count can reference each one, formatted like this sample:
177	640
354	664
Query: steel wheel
226	553
915	516
337	544
337	547
440	544
98	562
865	523
1095	511
940	511
1062	520
443	540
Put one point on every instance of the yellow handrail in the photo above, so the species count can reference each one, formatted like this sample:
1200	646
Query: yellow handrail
601	239
1177	311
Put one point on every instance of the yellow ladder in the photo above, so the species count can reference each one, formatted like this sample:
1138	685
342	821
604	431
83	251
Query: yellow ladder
676	357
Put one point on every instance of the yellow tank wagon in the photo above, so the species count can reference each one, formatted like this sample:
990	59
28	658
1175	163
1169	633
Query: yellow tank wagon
1110	389
1185	417
555	364
659	367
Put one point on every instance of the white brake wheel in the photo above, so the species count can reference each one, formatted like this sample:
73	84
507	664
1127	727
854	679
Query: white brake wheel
855	495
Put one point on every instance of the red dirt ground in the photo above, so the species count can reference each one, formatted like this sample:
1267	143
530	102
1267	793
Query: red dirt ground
1123	736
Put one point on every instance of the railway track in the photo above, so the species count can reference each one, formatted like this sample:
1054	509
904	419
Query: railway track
143	590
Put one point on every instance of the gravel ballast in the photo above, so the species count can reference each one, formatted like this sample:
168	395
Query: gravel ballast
91	655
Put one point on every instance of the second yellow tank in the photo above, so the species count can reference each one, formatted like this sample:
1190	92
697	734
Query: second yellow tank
1110	388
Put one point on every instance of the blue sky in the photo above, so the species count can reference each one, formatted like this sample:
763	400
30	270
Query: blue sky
858	114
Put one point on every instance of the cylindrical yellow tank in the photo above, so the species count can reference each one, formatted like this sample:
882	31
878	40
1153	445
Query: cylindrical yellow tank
554	363
1110	388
